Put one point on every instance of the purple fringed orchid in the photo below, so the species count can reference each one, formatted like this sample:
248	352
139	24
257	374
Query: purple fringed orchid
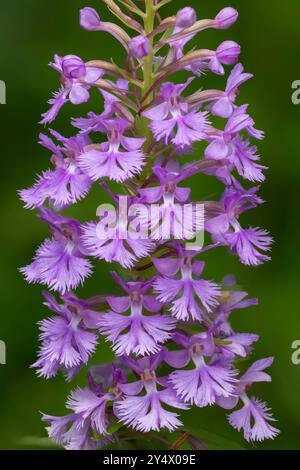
118	159
206	380
76	82
60	262
188	292
66	183
224	106
145	411
170	331
90	411
253	418
137	332
173	114
249	244
116	243
168	213
68	338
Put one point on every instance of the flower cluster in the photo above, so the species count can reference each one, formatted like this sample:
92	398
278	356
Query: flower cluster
168	327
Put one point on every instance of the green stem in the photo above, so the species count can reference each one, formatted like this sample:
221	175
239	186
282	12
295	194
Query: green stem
148	61
142	122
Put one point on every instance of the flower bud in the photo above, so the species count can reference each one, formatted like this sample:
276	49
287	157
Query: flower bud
89	19
228	52
139	46
226	18
73	67
186	17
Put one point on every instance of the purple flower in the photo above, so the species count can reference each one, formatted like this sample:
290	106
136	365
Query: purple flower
118	159
66	340
168	215
142	406
59	262
76	79
89	406
206	381
225	228
226	54
224	106
174	121
254	411
223	143
254	417
118	238
64	185
184	292
136	333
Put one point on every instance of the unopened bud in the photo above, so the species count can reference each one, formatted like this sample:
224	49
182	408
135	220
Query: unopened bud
186	17
89	19
226	18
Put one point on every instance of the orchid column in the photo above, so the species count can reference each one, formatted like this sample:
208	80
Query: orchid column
168	327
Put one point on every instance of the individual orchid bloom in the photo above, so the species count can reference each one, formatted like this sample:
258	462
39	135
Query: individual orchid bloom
59	262
90	412
226	54
118	159
207	380
249	244
122	239
254	417
223	143
76	78
66	183
67	341
69	432
187	293
174	121
234	151
142	405
169	216
224	106
137	332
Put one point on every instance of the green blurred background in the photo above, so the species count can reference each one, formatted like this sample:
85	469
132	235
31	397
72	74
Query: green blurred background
31	32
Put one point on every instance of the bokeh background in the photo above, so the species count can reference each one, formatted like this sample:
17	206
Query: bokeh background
31	31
